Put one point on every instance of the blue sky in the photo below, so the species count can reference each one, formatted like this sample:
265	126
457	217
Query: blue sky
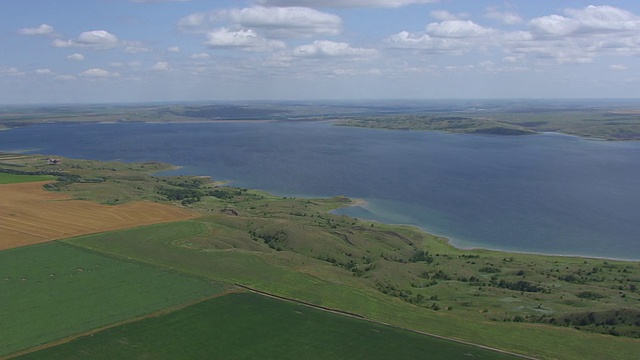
95	51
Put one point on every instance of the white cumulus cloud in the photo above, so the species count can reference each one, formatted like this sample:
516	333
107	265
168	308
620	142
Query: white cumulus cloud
135	47
76	56
448	36
156	1
580	35
604	18
590	20
174	49
196	22
618	67
345	3
44	71
271	22
43	29
99	39
573	36
160	66
505	17
287	21
325	48
442	15
66	77
99	73
199	56
10	71
242	39
553	25
407	40
456	29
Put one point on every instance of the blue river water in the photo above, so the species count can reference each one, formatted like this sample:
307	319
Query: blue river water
548	193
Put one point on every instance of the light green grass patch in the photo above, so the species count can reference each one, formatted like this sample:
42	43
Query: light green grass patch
54	290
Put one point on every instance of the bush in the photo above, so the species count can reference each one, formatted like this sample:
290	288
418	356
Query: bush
589	295
520	286
421	256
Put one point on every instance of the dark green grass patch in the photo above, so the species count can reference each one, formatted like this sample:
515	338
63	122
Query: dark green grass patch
6	178
249	326
54	290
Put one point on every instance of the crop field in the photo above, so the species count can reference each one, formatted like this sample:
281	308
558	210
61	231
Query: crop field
249	326
32	215
52	291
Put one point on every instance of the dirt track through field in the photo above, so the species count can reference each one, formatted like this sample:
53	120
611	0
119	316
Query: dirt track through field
30	215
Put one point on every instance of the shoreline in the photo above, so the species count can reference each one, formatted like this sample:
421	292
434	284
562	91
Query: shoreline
522	252
358	202
452	241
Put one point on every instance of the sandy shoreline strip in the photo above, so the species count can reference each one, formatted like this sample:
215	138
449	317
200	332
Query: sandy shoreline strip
358	202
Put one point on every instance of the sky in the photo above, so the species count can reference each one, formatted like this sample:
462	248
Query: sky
125	51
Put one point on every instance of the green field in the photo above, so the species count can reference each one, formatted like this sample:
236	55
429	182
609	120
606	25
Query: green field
6	178
54	290
249	326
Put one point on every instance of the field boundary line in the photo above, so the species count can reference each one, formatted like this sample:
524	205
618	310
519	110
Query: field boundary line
91	332
361	317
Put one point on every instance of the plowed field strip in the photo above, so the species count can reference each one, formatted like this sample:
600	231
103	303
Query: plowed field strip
31	215
17	234
14	223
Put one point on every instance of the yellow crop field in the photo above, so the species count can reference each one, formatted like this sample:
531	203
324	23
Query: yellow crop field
30	215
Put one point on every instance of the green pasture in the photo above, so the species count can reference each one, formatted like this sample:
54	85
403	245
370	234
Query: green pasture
6	178
249	326
181	246
54	290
